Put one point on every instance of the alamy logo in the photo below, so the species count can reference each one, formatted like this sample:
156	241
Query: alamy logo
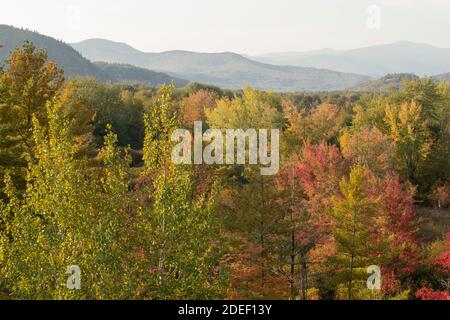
73	17
374	280
74	280
374	17
228	147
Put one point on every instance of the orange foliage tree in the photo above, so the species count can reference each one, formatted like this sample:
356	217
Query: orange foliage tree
192	108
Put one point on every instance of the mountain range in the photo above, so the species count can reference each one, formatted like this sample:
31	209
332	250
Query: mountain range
362	69
74	64
375	61
227	69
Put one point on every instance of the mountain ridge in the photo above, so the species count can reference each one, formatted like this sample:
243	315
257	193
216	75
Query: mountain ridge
112	61
225	69
376	61
386	83
73	62
442	77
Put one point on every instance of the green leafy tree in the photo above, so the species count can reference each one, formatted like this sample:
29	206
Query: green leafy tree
160	123
353	215
411	137
93	106
180	233
254	219
29	82
255	110
368	147
66	218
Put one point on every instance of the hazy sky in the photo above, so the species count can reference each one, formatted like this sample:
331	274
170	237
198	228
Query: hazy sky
244	26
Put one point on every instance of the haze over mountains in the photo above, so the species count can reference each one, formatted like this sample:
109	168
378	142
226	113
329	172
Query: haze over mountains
74	64
376	61
442	77
319	70
227	70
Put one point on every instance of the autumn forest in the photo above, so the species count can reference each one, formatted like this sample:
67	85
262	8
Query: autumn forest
87	180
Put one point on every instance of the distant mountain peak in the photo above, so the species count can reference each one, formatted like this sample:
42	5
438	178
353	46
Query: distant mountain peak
224	69
375	61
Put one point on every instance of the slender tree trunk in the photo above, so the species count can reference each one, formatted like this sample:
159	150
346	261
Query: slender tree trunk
304	278
293	244
292	278
352	260
162	257
262	240
350	284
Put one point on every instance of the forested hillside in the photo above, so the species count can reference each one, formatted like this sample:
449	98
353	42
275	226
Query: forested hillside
74	64
387	83
89	182
226	69
443	77
72	61
125	73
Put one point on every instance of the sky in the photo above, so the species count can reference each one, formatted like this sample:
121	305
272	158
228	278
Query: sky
243	26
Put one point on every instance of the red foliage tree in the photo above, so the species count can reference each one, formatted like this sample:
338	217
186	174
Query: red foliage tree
398	210
442	261
430	294
320	171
